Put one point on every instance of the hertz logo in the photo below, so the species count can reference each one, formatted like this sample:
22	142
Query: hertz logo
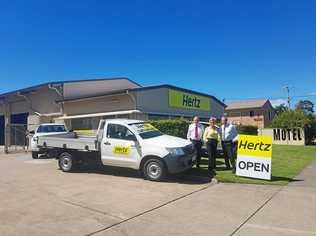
190	101
123	150
254	156
265	147
258	146
184	100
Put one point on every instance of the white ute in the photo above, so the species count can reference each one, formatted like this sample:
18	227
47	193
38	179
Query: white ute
124	143
44	130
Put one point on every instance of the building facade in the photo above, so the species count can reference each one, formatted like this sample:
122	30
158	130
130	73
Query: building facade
258	113
81	104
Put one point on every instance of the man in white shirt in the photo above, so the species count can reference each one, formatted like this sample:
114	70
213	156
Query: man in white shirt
195	133
229	136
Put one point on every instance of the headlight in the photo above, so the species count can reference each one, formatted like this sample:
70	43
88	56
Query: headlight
175	151
35	139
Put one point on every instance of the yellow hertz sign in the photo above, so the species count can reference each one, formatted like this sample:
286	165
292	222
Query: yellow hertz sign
122	150
182	100
254	156
258	146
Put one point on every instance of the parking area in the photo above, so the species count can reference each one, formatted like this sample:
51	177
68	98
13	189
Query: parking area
38	199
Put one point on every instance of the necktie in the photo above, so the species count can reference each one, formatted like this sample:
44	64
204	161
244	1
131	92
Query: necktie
196	131
224	133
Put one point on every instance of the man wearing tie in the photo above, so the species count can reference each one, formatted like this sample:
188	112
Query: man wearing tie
195	133
229	136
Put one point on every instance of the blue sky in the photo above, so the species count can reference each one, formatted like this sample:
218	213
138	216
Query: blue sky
230	49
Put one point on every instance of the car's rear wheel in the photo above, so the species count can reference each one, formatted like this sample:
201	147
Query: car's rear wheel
154	170
35	155
66	162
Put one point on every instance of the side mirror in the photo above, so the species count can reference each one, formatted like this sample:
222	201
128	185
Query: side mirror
32	132
132	138
71	130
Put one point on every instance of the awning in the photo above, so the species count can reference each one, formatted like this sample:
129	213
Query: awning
99	114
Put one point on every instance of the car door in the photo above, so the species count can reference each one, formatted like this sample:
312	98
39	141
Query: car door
120	147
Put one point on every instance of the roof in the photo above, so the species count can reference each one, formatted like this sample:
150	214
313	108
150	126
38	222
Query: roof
181	89
246	104
141	89
28	89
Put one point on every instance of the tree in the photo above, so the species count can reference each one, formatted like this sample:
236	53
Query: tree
306	106
292	119
280	108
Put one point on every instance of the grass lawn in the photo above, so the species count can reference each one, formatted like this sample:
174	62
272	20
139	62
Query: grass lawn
287	162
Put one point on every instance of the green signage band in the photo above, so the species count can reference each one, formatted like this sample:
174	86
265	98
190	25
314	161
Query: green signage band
190	101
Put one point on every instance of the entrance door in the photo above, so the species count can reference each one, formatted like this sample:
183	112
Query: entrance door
1	130
120	147
18	129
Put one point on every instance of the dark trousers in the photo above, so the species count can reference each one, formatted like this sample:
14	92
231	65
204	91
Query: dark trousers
228	149
198	148
211	146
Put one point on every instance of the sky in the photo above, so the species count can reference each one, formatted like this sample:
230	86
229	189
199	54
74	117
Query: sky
231	49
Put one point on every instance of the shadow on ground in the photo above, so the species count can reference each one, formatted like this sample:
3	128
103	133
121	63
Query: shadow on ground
183	178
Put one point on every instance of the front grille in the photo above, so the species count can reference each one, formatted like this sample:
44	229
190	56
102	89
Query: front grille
189	149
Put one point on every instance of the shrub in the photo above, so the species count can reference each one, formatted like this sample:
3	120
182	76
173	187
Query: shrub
179	127
175	127
297	119
291	119
247	129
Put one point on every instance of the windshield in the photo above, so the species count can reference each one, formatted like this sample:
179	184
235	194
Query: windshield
51	129
146	130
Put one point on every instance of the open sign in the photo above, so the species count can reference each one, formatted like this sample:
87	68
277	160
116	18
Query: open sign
254	156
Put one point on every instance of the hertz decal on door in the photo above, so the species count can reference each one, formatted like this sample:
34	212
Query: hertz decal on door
183	100
254	156
122	150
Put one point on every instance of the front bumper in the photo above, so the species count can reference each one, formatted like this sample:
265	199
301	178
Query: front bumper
178	164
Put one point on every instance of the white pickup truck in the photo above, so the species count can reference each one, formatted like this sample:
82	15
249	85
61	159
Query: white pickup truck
124	143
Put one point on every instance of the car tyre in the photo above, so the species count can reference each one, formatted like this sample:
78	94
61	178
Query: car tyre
154	170
35	155
66	162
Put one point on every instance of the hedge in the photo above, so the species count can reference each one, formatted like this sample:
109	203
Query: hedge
175	127
179	127
247	129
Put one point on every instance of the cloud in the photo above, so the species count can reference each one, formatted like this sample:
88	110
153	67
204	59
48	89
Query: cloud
277	102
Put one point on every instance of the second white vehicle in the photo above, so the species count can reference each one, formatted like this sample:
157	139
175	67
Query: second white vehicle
44	130
124	143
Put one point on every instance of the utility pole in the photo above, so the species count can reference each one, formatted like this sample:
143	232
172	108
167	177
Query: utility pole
287	88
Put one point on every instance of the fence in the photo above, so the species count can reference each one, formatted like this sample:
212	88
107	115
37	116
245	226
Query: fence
18	137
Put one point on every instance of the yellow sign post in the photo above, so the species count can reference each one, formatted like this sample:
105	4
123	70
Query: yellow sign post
254	156
183	100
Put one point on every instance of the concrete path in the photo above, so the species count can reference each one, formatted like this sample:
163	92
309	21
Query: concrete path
38	199
292	211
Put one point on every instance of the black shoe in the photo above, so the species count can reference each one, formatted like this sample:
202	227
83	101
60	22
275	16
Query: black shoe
197	166
233	171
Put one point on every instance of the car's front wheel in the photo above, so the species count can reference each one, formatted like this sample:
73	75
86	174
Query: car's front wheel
154	170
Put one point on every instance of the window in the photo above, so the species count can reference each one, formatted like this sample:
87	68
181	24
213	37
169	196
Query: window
145	130
119	132
251	113
51	129
270	115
